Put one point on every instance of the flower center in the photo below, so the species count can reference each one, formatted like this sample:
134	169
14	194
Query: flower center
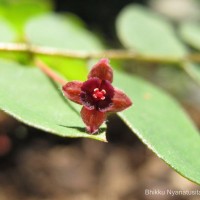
99	95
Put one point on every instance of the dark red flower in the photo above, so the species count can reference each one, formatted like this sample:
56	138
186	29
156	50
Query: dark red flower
97	95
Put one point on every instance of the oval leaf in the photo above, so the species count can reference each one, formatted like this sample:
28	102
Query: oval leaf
28	95
162	125
18	12
190	32
64	32
61	32
193	70
7	34
148	33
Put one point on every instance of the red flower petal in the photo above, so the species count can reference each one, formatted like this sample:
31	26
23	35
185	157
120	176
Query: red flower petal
106	85
72	91
102	70
90	85
93	119
120	101
88	101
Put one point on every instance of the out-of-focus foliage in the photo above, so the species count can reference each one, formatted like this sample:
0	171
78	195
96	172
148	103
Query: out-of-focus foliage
7	34
18	12
194	71
148	33
177	10
43	29
70	35
190	32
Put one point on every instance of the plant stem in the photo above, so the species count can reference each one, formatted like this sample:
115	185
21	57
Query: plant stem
112	54
49	72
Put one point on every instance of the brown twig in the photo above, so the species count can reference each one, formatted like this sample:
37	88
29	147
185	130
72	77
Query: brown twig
112	54
49	72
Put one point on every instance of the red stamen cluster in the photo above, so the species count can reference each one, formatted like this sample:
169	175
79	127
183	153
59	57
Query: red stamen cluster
100	95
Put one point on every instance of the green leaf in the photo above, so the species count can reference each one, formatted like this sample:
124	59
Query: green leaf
64	32
162	125
18	12
28	95
59	31
148	33
72	69
193	70
190	32
7	34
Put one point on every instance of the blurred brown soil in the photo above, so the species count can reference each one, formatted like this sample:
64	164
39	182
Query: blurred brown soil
45	167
